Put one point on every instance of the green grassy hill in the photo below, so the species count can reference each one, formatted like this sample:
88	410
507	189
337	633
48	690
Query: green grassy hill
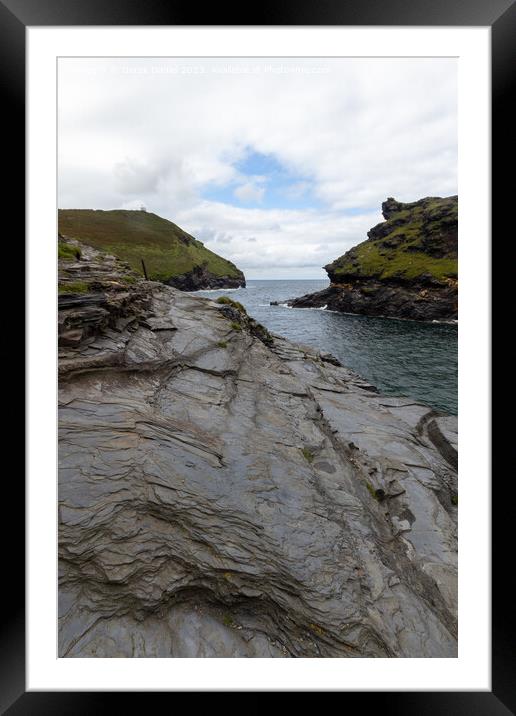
417	239
167	250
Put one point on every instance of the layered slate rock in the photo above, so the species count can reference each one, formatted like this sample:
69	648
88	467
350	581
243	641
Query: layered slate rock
226	493
406	268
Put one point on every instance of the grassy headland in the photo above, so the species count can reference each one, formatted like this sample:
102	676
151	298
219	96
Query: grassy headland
416	239
167	250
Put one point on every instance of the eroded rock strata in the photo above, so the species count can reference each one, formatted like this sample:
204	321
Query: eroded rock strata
226	493
406	268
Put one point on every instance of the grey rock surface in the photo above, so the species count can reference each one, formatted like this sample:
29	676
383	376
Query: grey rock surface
226	496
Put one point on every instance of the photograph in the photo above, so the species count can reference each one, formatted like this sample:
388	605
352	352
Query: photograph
260	302
257	326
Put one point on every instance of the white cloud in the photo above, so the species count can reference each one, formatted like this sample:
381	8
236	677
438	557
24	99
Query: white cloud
258	240
152	131
250	191
133	177
297	190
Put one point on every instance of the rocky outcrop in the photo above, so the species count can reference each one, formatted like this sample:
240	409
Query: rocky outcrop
407	268
419	302
226	493
200	278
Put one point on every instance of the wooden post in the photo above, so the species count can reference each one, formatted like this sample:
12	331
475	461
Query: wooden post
144	270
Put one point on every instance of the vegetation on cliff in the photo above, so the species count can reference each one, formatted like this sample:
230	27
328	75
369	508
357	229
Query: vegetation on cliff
167	250
416	240
406	268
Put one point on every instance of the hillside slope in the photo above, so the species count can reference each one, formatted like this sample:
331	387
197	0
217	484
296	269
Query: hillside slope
406	268
170	254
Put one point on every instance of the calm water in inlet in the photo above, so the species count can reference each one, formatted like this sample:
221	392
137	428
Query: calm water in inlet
417	360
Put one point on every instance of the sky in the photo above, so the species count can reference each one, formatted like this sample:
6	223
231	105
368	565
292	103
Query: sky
280	165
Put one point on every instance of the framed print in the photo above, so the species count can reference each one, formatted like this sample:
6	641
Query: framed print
258	292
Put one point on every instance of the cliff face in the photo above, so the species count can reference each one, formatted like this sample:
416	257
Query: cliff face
223	492
407	267
170	254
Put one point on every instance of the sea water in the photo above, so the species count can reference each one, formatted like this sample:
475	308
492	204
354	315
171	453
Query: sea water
405	358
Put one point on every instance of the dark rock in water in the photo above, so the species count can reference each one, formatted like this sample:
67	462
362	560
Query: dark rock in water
222	495
377	298
407	268
200	278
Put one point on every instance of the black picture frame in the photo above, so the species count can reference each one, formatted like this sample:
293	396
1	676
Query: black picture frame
500	15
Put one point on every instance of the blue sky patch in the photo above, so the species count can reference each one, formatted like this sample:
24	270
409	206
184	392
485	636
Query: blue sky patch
266	183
